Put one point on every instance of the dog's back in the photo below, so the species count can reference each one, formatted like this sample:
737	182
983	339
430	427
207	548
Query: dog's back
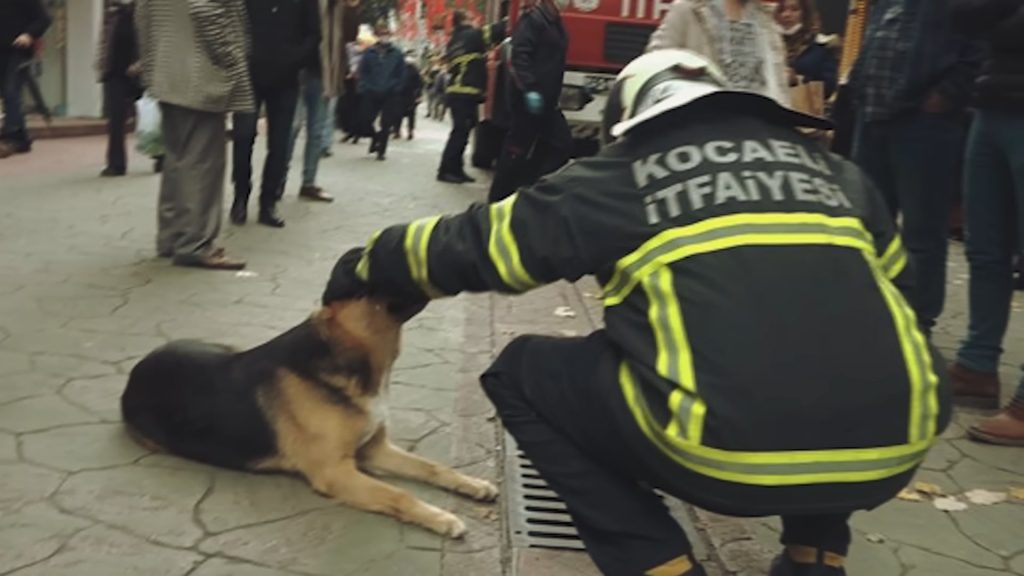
188	399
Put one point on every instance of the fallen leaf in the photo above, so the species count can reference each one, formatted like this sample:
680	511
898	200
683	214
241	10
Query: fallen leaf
1017	493
985	497
910	495
569	333
565	312
875	538
928	488
949	504
245	274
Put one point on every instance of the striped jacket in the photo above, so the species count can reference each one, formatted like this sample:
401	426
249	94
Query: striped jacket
761	350
195	53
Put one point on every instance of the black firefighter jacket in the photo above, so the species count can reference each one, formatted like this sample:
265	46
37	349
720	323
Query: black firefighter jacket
467	58
537	64
762	353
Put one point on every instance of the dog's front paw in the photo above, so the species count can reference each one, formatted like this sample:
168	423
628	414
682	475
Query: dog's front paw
478	489
447	524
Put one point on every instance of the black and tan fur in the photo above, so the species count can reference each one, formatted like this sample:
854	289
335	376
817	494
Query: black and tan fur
308	401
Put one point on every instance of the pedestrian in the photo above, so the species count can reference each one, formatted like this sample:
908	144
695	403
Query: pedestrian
910	86
810	56
351	101
538	140
381	71
439	88
411	96
994	212
117	64
739	36
467	67
285	38
333	48
742	409
320	81
194	63
22	24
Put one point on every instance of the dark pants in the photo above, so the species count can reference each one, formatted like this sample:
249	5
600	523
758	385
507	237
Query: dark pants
117	93
555	397
280	105
535	145
387	109
409	116
465	115
914	160
13	129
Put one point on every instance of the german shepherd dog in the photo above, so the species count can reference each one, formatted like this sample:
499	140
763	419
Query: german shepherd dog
311	401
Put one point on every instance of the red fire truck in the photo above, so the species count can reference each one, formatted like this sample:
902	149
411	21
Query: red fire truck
604	35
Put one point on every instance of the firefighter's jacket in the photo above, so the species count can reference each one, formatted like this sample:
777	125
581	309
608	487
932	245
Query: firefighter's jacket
752	295
466	55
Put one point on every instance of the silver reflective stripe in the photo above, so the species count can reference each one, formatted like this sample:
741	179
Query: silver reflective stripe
624	277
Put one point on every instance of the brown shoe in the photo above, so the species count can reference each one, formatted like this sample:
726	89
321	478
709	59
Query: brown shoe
215	260
974	389
1004	429
315	193
6	150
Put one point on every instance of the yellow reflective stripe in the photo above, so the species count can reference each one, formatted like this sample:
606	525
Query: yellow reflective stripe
916	356
487	35
465	59
463	90
674	567
895	258
417	241
674	359
363	267
729	232
779	468
503	248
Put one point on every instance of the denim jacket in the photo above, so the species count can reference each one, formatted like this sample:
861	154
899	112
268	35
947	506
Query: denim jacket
910	49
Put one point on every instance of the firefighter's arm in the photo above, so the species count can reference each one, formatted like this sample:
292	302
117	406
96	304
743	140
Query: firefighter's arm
893	259
521	64
511	246
493	34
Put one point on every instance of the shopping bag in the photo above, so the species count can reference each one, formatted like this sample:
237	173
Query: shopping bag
809	98
148	132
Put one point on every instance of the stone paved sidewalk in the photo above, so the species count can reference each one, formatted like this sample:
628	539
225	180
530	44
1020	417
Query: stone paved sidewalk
82	299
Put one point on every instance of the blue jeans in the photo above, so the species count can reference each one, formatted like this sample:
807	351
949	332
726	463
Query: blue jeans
10	92
311	108
915	160
330	124
994	219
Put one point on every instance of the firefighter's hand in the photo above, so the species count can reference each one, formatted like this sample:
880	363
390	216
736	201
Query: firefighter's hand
345	284
23	41
534	103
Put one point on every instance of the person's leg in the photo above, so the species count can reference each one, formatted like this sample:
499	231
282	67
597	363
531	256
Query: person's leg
924	155
1007	427
115	99
280	114
870	153
13	130
243	137
544	391
462	125
513	164
553	149
329	125
314	101
170	212
201	162
989	211
411	115
299	120
389	115
814	545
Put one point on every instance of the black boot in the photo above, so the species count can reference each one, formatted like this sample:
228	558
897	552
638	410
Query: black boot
240	210
818	564
270	217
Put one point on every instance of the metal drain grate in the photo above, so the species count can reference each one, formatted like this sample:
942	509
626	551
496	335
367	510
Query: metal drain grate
537	516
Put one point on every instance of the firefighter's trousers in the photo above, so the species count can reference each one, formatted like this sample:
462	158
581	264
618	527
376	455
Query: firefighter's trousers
552	395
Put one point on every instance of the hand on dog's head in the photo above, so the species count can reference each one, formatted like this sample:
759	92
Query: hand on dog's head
345	284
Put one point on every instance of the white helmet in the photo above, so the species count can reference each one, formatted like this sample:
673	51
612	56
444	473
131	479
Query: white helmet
664	80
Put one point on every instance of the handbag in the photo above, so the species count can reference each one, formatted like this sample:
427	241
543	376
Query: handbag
808	98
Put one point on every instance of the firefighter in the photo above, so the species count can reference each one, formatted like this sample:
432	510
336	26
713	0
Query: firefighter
467	64
539	140
759	356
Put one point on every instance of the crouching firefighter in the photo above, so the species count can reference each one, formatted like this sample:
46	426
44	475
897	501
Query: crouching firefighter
758	357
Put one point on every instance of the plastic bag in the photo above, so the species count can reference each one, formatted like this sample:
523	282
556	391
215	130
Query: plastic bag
148	133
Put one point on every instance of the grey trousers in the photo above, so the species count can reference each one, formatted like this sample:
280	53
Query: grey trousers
192	187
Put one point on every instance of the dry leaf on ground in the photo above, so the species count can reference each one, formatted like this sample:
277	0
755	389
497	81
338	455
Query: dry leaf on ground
985	497
928	488
875	538
949	504
909	495
1017	494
